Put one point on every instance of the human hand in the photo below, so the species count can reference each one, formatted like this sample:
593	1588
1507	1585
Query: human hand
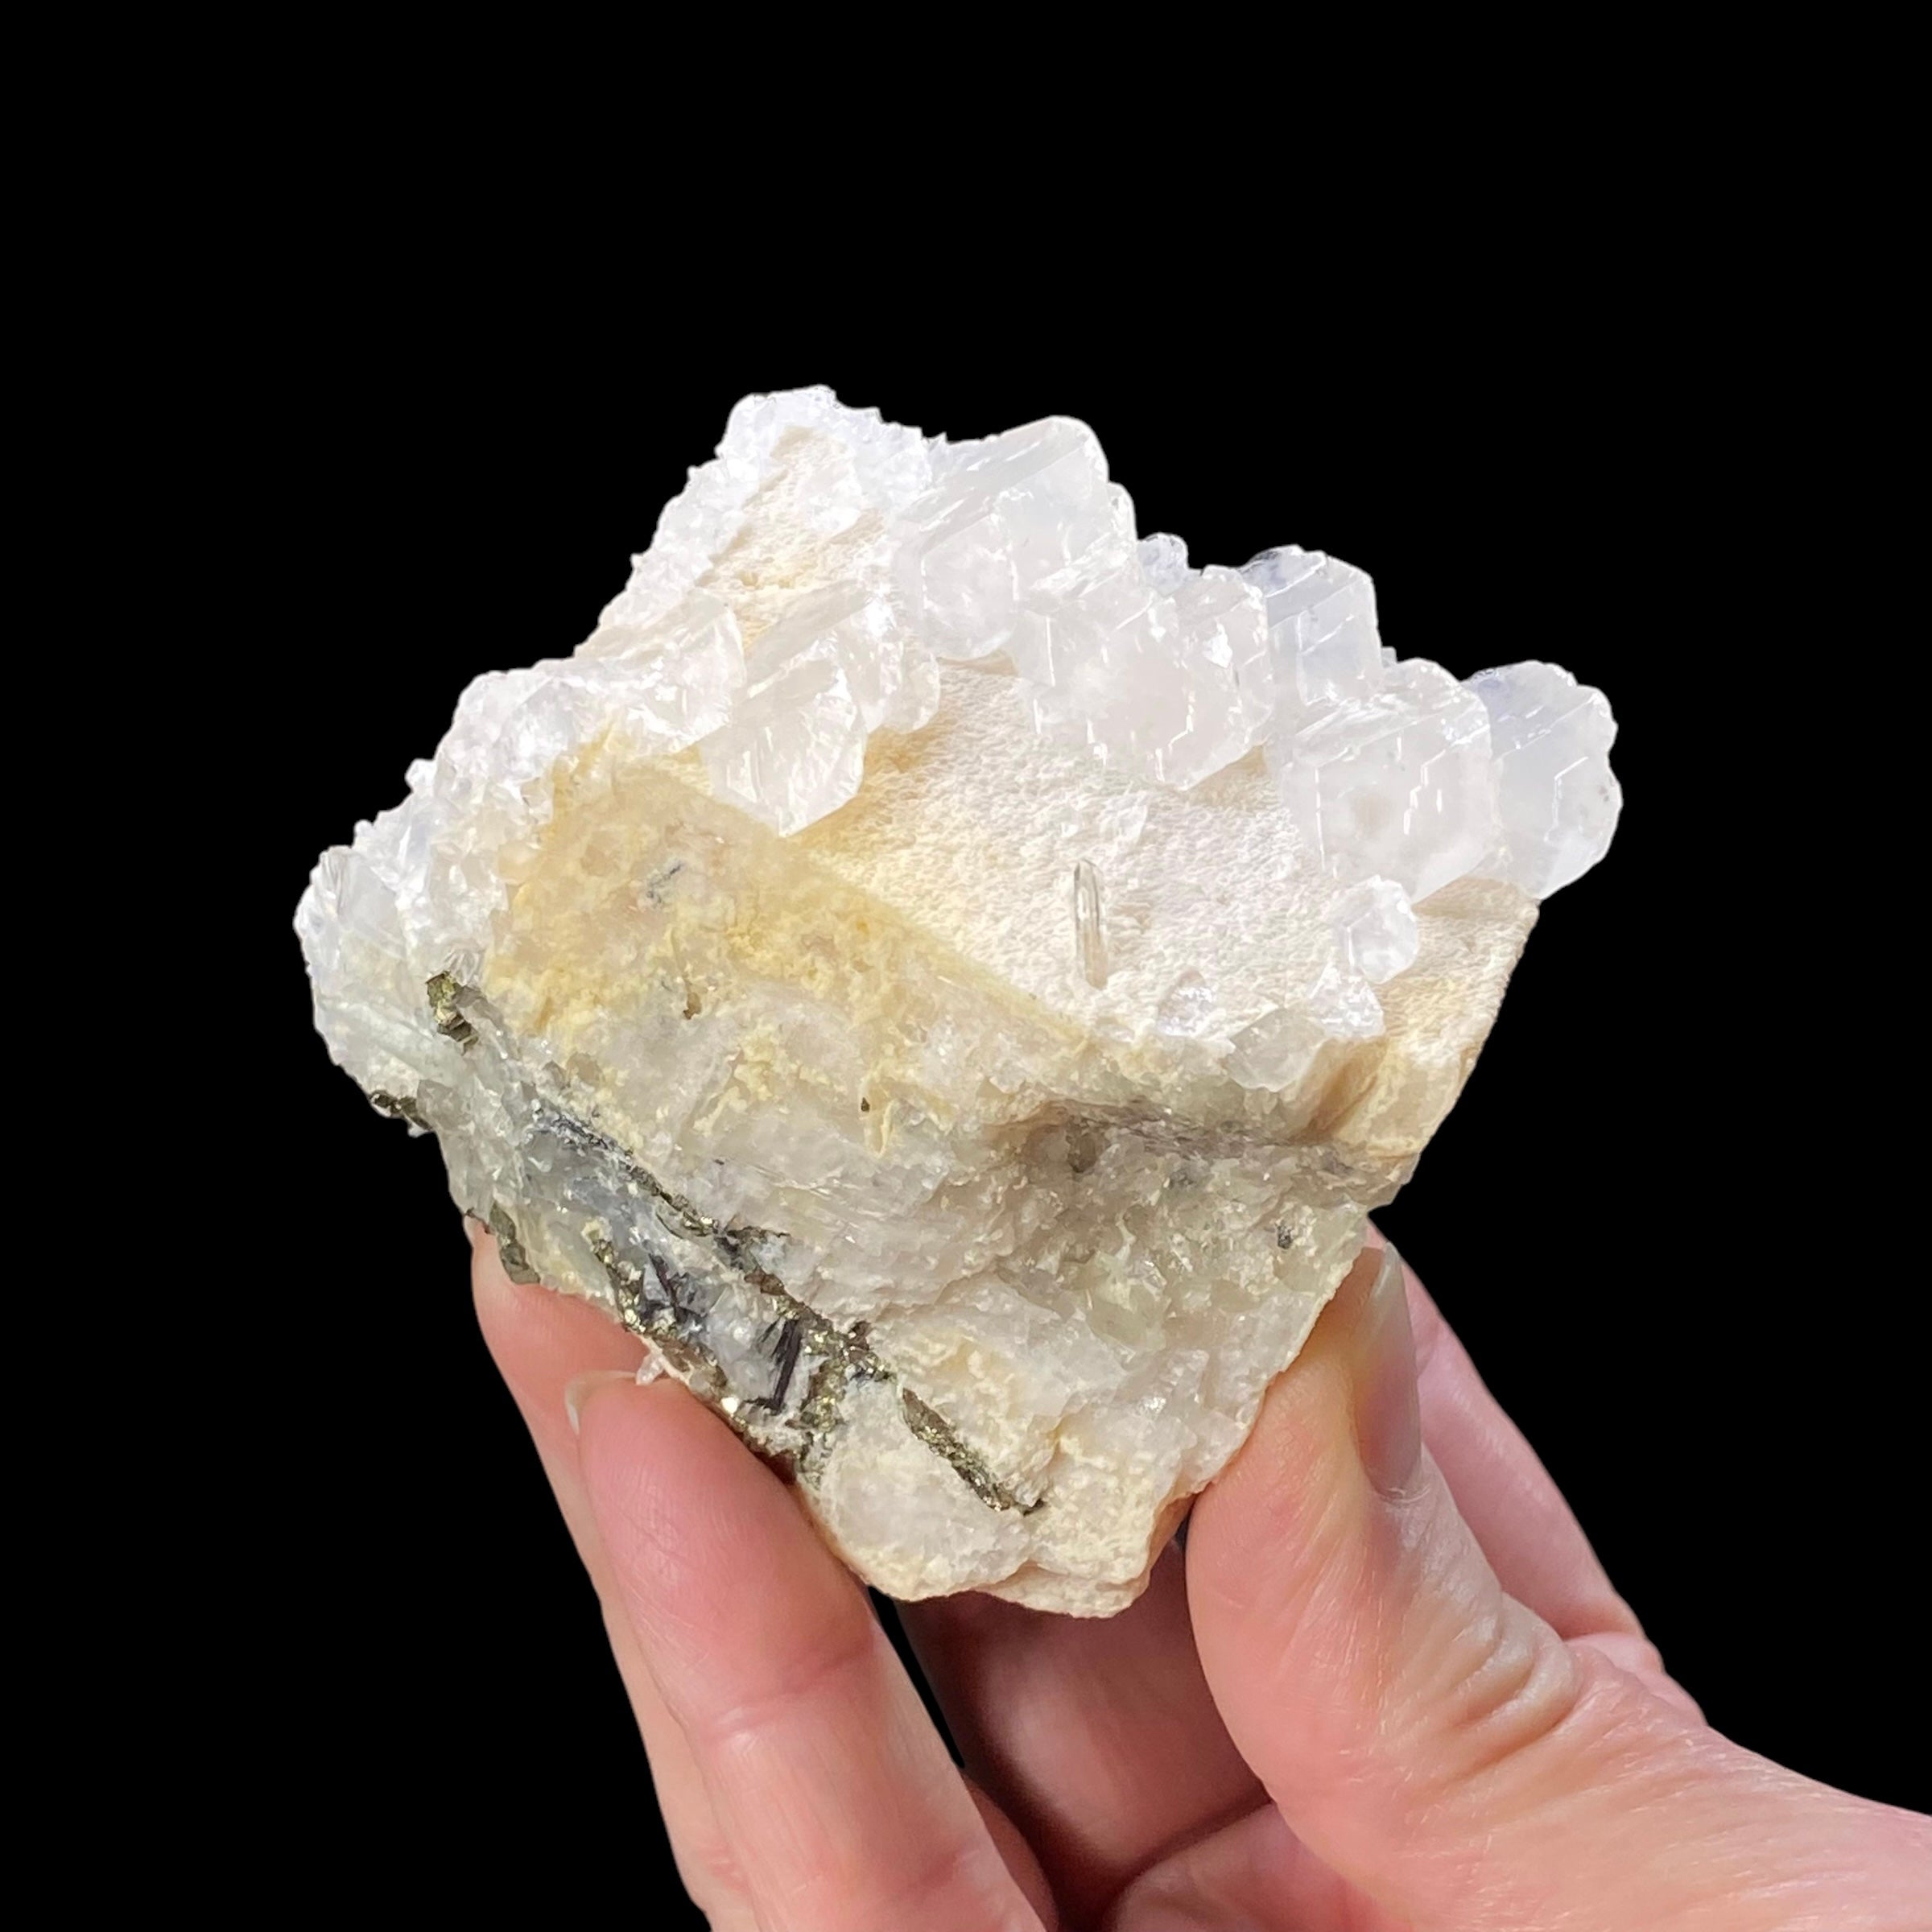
1388	1685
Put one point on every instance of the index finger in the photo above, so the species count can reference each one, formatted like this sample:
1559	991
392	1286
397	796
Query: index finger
843	1810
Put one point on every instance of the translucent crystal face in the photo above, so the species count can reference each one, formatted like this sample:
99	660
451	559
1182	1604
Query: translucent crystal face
1374	925
1280	1049
1321	621
1557	798
1018	552
1396	782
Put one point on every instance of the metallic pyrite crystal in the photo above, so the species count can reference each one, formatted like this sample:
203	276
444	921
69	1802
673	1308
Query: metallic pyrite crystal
951	978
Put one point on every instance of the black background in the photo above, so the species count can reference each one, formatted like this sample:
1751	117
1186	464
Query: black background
1651	1217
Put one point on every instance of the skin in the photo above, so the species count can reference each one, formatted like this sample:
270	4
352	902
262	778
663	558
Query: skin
1386	1686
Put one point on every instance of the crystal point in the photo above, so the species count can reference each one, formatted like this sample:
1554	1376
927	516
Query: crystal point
1558	800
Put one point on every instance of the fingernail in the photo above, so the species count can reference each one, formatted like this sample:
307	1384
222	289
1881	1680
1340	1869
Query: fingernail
1388	1416
474	1228
578	1392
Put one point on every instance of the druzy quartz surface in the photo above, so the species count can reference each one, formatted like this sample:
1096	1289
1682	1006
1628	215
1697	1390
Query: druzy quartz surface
952	977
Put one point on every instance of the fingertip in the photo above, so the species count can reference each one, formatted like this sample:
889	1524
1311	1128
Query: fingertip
676	1491
488	1280
657	1423
580	1388
541	1341
484	1259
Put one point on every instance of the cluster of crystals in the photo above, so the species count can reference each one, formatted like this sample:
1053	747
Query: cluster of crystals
1017	549
802	590
906	1240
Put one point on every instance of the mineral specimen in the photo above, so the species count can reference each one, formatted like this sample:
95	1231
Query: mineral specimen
952	978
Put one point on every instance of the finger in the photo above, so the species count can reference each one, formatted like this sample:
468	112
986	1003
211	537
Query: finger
1254	1876
544	1344
842	1809
1525	1526
1098	1738
1432	1739
1012	1846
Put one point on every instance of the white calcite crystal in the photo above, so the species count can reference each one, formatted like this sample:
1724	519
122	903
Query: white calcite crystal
952	977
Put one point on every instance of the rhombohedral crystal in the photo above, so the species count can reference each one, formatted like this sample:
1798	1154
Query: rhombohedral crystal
952	978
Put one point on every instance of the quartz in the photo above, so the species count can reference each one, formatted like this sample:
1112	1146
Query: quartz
952	976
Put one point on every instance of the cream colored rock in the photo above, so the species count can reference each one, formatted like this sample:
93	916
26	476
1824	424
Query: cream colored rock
992	1215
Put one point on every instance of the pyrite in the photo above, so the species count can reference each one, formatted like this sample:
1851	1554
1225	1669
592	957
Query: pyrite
952	978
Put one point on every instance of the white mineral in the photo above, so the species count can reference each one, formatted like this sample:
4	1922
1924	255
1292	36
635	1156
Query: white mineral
1374	925
953	978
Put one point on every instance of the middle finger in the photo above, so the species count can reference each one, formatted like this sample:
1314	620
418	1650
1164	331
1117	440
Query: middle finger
1096	1736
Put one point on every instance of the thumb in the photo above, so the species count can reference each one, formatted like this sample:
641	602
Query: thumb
1435	1742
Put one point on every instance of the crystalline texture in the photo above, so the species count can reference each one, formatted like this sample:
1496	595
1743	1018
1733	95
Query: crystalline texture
1374	925
1557	799
1283	1048
794	749
1009	514
951	976
1151	682
1321	619
1398	783
1164	561
838	665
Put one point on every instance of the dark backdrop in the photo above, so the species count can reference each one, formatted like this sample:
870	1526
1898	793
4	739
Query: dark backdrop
1651	1216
